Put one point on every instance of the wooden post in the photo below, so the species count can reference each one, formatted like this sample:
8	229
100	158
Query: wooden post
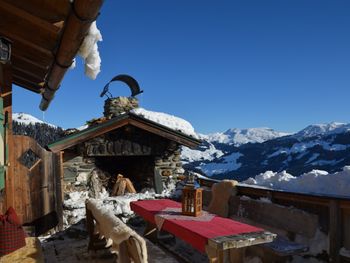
335	237
6	95
57	162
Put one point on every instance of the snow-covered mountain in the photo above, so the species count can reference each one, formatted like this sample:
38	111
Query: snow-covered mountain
322	130
26	119
231	155
44	133
216	144
238	137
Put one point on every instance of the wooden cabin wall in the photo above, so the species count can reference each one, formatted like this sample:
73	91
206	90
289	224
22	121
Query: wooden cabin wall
36	190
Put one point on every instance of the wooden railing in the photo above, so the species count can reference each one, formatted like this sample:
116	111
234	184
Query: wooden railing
333	212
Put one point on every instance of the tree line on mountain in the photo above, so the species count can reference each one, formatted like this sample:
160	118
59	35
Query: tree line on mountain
44	134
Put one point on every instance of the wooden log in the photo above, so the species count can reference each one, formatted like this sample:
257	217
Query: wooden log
122	187
51	11
74	32
117	184
129	186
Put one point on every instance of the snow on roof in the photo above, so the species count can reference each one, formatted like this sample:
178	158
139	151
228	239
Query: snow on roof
314	182
170	121
89	52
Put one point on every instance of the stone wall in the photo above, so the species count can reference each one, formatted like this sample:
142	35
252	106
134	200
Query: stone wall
76	172
116	106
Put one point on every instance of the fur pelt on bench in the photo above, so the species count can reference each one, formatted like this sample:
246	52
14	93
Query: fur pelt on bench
114	230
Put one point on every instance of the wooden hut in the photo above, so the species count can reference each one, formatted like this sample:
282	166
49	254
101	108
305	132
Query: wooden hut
38	41
142	150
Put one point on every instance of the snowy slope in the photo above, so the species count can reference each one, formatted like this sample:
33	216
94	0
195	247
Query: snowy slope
26	119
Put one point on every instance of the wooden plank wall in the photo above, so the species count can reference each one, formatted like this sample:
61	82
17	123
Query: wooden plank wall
35	188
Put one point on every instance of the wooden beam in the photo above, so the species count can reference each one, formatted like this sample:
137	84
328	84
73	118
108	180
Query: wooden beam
6	94
15	22
74	32
30	77
27	85
31	65
51	11
92	132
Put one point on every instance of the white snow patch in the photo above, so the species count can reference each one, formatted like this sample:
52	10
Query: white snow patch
209	154
317	244
326	162
316	181
89	52
170	121
312	158
228	163
344	252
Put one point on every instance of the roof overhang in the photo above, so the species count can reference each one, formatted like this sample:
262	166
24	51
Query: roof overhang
46	36
118	122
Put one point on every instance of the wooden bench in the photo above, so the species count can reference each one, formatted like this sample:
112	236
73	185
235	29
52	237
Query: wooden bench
129	245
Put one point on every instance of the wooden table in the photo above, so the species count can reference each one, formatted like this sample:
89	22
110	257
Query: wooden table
223	239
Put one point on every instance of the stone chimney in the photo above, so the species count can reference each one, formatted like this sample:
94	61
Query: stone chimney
119	105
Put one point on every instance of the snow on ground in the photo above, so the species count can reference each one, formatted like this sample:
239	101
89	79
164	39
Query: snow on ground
167	120
314	182
27	119
228	163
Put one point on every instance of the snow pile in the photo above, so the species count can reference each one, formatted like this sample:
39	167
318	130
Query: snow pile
74	205
226	164
314	182
238	137
27	119
89	52
170	121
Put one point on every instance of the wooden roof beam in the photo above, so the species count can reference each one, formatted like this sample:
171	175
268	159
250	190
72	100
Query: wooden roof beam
19	81
52	11
28	66
26	26
76	27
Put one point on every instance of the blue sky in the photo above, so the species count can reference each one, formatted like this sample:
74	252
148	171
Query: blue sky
282	64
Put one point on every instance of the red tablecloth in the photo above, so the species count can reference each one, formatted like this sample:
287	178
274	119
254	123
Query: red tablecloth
195	233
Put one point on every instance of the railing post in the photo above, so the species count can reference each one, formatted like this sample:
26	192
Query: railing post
335	237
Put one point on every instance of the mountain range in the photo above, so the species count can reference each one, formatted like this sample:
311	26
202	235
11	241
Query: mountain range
242	153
